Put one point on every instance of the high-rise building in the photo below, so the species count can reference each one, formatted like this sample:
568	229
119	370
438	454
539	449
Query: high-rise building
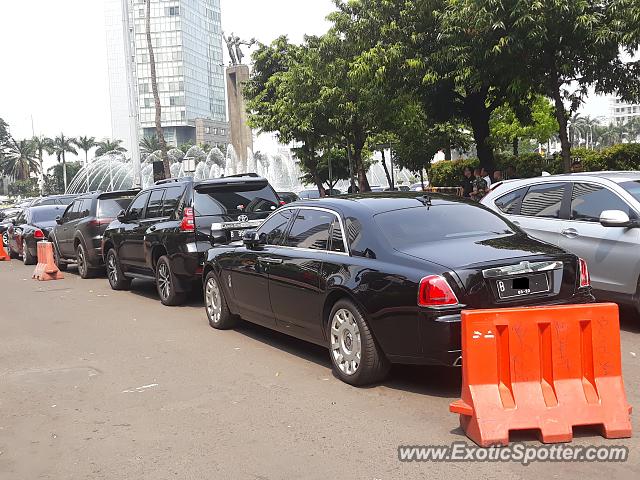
187	45
621	112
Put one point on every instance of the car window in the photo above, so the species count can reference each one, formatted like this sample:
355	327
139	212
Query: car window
154	209
337	241
171	200
509	202
84	209
110	207
418	225
274	228
543	201
633	187
310	230
588	201
72	212
136	209
47	201
235	201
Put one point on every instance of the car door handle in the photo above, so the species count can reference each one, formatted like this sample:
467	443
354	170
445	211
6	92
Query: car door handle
275	261
570	233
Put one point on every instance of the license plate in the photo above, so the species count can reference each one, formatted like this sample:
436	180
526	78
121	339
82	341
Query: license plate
522	286
236	234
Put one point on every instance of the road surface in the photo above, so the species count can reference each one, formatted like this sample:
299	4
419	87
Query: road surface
98	384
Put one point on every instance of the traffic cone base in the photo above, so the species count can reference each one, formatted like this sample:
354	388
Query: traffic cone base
46	269
4	255
547	369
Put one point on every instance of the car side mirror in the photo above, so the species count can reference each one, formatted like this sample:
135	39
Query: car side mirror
251	239
615	218
122	216
59	220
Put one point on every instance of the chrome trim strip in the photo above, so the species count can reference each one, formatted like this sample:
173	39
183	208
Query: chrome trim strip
522	268
236	225
458	362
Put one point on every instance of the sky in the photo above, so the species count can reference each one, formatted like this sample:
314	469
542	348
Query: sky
54	76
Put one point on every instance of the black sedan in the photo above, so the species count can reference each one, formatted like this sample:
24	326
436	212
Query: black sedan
32	225
382	278
8	216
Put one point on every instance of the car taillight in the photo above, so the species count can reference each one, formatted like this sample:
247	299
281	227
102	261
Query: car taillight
39	234
436	292
98	222
282	203
585	279
188	220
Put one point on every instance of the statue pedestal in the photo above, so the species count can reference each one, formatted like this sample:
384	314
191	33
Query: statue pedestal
241	135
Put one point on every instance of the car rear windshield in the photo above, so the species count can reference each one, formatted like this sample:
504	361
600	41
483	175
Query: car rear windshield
45	215
237	200
412	226
110	207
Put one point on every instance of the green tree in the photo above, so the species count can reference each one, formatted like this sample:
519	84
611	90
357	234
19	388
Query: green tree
148	145
86	144
108	145
19	160
61	146
42	145
54	180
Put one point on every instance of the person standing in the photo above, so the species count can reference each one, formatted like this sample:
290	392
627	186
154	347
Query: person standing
485	174
497	176
467	183
480	187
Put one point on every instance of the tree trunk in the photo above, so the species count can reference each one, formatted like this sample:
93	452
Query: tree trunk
422	179
318	181
352	183
447	152
86	168
479	114
156	97
41	172
515	144
64	171
561	116
363	182
386	170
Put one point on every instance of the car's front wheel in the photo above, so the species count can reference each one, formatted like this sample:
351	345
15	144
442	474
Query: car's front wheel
117	280
27	258
218	312
166	284
356	357
84	269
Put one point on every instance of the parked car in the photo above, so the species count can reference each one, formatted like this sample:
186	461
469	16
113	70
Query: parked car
28	228
167	229
594	215
382	279
78	234
398	188
9	215
417	187
288	197
53	200
313	193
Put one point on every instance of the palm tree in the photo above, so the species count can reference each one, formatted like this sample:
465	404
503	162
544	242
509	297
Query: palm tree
106	146
20	161
148	145
42	144
86	144
156	95
62	145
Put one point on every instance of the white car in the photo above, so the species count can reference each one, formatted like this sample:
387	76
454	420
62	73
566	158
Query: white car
593	215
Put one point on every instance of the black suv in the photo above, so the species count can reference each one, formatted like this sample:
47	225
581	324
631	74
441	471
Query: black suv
168	228
78	235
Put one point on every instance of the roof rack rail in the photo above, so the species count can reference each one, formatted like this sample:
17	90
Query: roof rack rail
174	180
240	175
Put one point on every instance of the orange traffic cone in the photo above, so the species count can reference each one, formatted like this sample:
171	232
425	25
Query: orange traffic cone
46	269
4	256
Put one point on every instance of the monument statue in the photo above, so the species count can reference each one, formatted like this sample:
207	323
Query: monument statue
234	46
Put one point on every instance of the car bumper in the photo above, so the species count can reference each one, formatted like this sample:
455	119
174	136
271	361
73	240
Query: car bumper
440	335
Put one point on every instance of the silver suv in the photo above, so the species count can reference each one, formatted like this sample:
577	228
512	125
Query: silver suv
593	215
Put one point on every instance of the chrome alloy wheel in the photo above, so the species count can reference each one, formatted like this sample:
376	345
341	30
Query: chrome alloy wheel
82	265
112	269
25	252
164	280
213	300
346	347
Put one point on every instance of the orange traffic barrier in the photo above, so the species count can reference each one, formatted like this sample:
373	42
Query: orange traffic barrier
4	256
546	369
46	269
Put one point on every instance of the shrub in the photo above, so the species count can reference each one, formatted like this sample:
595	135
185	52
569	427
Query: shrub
449	173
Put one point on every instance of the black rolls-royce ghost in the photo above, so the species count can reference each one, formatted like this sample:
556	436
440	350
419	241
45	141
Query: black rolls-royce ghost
382	279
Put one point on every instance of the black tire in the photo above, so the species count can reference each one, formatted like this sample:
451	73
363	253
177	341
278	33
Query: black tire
116	277
62	265
373	366
84	269
5	239
218	313
166	284
27	258
12	255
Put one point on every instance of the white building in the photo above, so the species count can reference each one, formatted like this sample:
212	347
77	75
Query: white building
187	40
621	112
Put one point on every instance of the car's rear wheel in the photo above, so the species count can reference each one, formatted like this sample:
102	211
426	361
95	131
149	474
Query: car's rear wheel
62	265
117	280
27	258
218	312
166	284
5	239
356	357
84	269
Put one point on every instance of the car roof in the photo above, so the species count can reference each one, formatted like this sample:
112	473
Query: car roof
379	202
612	176
42	208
